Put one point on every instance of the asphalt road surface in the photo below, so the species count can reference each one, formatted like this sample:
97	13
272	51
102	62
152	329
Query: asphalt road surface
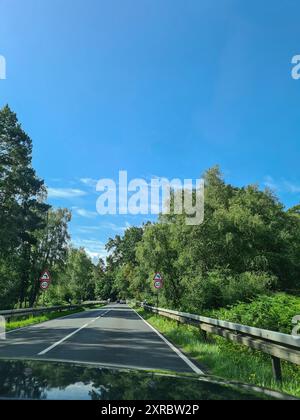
113	336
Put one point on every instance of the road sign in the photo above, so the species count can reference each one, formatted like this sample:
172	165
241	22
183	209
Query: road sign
158	284
45	280
44	285
45	276
158	277
158	281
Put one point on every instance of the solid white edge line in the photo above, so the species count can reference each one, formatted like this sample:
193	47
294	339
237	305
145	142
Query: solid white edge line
175	349
70	335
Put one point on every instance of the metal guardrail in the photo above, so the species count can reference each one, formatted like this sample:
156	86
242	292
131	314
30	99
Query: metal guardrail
16	313
279	346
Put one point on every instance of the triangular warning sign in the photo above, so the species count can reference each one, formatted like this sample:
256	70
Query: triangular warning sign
45	276
158	276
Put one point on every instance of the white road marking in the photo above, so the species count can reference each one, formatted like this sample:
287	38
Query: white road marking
177	351
70	335
38	324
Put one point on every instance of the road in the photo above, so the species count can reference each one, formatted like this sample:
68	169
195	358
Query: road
114	336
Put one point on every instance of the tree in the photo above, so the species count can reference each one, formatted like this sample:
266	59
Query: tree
50	250
248	245
21	191
121	263
22	208
103	283
33	236
79	275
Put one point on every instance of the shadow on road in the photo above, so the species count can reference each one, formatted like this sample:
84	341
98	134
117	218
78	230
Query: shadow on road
120	338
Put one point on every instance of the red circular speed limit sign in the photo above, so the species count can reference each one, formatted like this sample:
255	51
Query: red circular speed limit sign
158	281
44	285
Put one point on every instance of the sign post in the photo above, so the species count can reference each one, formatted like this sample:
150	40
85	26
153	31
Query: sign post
45	281
158	284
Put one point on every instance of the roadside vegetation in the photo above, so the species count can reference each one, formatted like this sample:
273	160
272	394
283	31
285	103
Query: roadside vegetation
271	312
226	360
37	319
248	246
31	320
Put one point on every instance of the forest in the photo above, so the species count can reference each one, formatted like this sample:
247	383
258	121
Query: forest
248	245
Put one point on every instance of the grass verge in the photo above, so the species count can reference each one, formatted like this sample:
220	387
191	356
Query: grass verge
224	359
31	320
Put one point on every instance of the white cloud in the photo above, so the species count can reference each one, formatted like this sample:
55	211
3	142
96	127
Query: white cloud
90	182
270	183
65	193
88	229
103	226
116	228
84	213
282	186
292	188
94	248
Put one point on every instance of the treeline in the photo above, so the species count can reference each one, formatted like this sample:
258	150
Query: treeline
248	245
33	235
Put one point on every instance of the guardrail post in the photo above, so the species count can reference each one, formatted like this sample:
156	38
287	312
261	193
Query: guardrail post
276	367
203	334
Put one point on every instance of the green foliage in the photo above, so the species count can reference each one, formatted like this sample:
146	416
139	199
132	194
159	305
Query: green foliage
122	265
221	288
223	359
31	320
33	236
75	281
248	245
103	283
274	312
22	210
20	189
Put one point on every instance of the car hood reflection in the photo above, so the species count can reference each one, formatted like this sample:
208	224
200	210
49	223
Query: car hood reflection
41	380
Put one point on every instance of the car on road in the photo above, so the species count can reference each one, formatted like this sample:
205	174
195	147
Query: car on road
121	301
44	380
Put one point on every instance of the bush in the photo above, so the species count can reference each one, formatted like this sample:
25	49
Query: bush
245	286
273	312
220	288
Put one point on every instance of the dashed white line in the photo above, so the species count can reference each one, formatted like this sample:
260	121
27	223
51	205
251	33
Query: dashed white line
70	335
39	324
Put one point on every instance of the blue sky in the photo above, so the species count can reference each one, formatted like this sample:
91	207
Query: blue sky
154	87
